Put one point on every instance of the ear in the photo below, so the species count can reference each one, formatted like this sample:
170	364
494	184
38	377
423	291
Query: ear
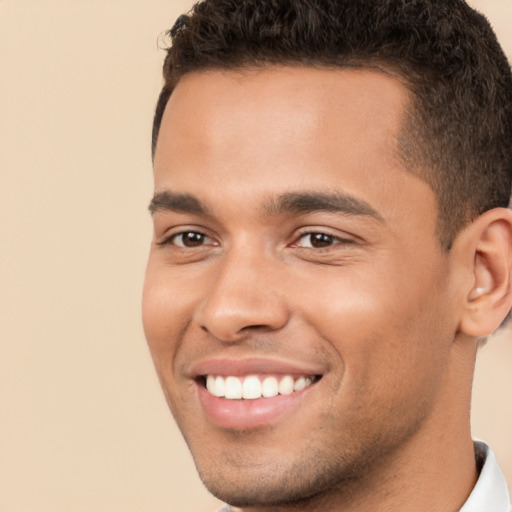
487	244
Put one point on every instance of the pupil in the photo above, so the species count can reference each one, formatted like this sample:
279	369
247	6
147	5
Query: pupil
192	239
321	240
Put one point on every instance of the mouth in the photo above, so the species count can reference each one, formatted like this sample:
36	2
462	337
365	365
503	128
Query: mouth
254	387
243	394
253	393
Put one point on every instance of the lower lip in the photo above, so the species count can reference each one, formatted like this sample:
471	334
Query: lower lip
248	414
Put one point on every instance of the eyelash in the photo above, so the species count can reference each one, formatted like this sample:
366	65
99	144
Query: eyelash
170	239
332	240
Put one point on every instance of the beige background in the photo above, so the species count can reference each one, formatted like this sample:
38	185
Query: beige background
83	425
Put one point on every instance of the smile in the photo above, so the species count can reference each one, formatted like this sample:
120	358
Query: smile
253	387
250	393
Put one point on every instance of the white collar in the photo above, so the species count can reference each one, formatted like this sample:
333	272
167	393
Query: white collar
490	493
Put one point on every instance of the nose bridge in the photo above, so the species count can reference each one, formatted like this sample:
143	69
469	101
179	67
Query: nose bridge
243	295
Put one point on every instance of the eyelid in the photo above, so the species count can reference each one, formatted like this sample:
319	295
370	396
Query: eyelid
344	238
171	234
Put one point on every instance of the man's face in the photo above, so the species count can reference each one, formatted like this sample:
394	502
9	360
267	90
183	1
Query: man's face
292	250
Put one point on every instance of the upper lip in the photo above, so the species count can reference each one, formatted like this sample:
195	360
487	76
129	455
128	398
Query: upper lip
251	366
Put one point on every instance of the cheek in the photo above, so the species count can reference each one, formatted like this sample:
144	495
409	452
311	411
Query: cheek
384	327
161	312
165	300
164	324
154	310
384	293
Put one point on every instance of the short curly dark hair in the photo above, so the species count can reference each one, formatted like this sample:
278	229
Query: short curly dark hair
458	133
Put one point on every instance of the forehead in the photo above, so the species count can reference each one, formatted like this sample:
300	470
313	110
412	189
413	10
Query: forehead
258	132
285	105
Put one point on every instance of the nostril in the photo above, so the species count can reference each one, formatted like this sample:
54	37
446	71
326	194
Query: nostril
258	327
226	333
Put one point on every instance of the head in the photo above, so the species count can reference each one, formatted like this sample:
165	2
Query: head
330	240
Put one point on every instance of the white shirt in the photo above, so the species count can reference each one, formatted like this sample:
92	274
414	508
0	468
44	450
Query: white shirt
490	493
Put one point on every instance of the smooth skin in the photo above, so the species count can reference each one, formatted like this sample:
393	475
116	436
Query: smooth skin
366	294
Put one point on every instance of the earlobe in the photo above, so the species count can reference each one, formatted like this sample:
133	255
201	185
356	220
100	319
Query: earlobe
489	299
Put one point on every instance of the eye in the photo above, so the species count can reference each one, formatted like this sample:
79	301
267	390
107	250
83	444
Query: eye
189	239
317	240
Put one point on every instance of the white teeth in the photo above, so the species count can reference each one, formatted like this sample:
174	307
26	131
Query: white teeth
210	385
215	385
300	384
286	385
251	387
220	386
233	388
269	387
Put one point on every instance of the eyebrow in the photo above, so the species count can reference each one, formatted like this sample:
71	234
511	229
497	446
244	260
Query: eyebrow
302	203
292	202
180	203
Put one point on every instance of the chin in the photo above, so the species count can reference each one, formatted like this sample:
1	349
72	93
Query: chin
262	493
278	483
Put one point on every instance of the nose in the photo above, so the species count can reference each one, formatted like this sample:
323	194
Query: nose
244	296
